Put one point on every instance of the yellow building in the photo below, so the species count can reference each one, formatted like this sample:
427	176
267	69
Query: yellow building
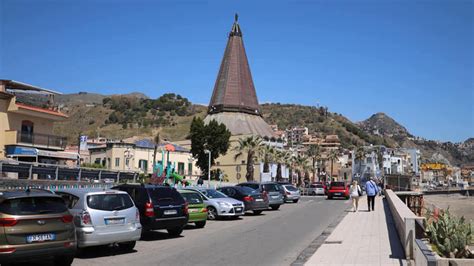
27	115
138	157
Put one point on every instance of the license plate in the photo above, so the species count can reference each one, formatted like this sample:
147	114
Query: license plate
238	209
170	212
114	221
337	194
259	200
275	197
40	238
192	210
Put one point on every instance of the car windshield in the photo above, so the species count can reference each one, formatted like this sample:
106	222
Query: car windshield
291	188
109	202
271	187
33	205
192	198
165	196
253	186
214	194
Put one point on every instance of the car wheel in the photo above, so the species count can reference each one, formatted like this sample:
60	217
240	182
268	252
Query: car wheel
313	193
200	224
295	201
175	231
329	197
275	207
257	212
128	246
63	260
211	213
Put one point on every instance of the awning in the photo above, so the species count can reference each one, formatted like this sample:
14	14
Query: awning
58	154
15	151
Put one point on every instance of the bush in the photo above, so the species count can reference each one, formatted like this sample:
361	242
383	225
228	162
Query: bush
449	235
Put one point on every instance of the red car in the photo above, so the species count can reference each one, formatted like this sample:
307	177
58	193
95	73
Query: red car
338	189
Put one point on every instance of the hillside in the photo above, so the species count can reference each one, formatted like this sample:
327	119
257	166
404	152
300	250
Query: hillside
123	116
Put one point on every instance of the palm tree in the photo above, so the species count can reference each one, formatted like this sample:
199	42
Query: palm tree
332	156
267	154
301	165
251	146
281	157
360	156
314	152
157	143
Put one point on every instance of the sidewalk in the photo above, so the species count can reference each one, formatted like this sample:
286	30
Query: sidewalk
362	238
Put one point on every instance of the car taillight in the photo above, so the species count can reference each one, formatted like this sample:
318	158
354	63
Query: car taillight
149	212
186	208
68	244
204	210
7	250
137	216
67	218
86	218
287	193
248	198
8	221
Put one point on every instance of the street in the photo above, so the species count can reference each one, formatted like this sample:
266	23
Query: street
273	238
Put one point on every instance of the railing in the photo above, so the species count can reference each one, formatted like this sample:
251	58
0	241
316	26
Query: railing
36	139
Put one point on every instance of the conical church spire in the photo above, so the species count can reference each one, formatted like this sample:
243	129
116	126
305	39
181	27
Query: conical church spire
234	90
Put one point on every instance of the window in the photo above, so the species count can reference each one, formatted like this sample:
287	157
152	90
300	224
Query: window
109	202
97	161
33	206
127	162
181	168
117	162
190	168
143	165
27	131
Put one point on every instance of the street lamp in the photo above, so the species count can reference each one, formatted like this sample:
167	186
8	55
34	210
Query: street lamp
209	168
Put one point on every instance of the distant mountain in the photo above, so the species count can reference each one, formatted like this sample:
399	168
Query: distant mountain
91	98
383	125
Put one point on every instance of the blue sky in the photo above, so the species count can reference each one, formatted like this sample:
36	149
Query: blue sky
413	60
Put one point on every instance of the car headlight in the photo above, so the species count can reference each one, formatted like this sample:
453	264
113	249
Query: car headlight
224	204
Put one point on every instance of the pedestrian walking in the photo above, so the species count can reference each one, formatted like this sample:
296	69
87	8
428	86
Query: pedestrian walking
372	189
200	181
355	192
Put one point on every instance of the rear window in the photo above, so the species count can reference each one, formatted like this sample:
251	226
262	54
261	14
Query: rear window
247	190
291	188
192	198
33	205
271	187
109	202
165	196
337	184
318	186
253	186
214	194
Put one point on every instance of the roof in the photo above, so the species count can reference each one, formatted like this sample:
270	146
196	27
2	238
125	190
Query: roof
39	109
21	193
24	86
242	123
82	191
234	90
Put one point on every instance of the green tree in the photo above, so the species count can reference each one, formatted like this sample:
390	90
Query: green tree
213	137
267	154
157	143
251	146
360	156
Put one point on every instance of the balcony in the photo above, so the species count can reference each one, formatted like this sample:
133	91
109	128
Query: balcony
41	140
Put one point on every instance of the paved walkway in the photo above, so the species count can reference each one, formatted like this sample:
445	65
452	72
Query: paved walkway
362	238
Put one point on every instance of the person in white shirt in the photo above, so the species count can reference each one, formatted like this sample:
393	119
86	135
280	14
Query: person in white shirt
355	191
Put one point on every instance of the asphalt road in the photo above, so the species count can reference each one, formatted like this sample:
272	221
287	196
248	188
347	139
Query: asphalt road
272	238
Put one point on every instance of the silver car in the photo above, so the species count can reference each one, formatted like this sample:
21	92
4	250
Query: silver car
218	204
291	193
103	217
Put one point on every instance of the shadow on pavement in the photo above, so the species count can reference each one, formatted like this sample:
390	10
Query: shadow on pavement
253	214
395	244
157	236
102	251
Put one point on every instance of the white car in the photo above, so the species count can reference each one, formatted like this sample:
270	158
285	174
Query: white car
291	193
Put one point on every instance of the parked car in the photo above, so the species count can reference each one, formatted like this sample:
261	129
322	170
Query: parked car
270	191
35	224
103	217
338	189
196	207
291	193
252	199
219	204
160	207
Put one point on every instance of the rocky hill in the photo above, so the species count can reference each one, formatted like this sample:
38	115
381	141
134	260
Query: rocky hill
123	116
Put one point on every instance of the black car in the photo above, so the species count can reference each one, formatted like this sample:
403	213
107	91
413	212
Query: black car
161	207
252	199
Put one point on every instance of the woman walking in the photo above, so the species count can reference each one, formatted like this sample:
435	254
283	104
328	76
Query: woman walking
355	192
